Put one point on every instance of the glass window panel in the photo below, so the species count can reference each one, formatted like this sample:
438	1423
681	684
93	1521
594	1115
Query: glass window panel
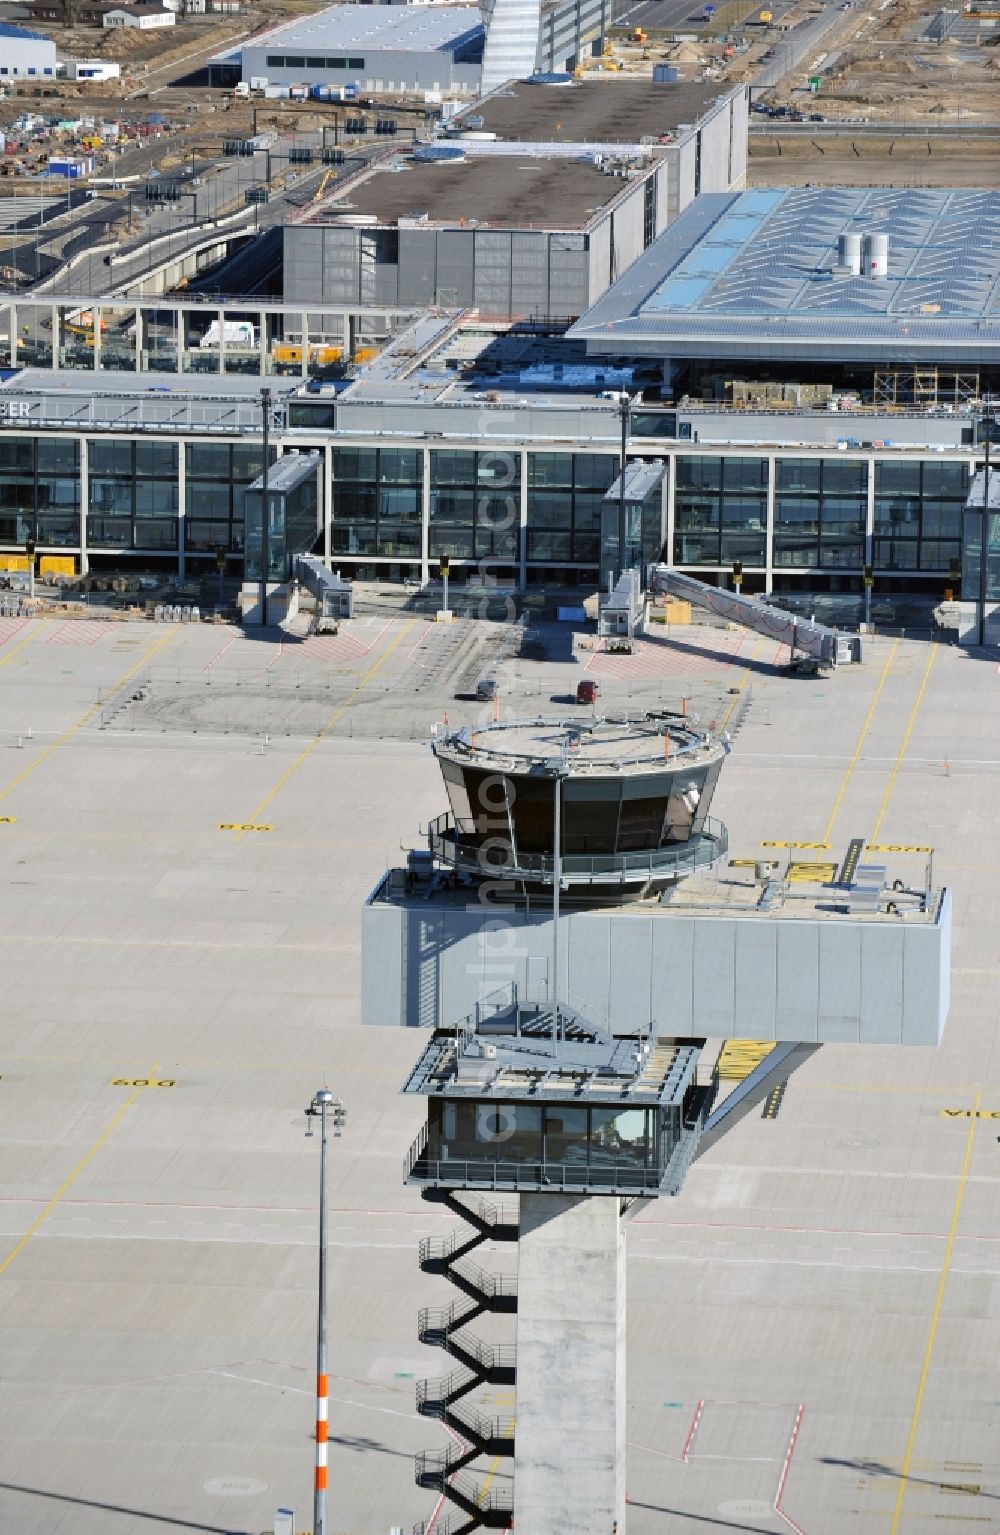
892	479
449	468
698	473
593	471
941	519
748	546
453	541
696	548
641	823
355	503
512	1132
453	508
111	456
555	469
58	455
549	546
155	498
743	512
111	496
17	454
566	1135
945	480
844	476
618	1137
842	515
500	469
794	552
57	528
550	509
157	535
403	501
794	513
694	514
208	460
109	532
897	517
248	461
744	473
206	535
207	500
400	466
896	553
937	554
797	474
158	460
57	493
354	538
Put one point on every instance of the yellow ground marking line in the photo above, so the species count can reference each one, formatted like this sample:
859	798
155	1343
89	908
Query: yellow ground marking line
68	1182
849	773
935	1318
33	631
905	743
324	731
490	1474
86	718
744	679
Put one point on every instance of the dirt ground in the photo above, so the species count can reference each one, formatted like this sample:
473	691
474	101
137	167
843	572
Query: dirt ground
887	70
865	160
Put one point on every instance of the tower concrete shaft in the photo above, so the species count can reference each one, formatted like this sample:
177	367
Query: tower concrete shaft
569	1456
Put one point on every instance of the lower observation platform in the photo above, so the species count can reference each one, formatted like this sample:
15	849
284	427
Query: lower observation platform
536	1099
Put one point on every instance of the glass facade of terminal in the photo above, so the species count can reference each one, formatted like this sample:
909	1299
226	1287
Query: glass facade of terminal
39	491
514	514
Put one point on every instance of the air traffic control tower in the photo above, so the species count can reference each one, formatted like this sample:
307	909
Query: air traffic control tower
576	949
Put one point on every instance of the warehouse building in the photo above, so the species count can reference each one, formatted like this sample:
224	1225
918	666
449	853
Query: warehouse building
26	55
534	211
390	49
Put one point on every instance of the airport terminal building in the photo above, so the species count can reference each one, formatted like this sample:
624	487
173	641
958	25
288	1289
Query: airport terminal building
497	443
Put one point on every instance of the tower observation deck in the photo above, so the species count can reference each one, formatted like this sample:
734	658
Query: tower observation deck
633	797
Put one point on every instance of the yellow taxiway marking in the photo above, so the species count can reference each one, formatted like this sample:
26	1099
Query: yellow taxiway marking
904	744
897	847
143	1082
321	734
86	718
33	631
242	826
68	1182
819	846
849	773
744	679
911	1438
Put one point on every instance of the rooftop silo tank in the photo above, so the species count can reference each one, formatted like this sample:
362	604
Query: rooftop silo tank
875	255
849	253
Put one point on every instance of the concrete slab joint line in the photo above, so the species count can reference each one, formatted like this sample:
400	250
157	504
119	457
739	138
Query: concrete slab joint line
68	1182
85	719
918	1403
325	729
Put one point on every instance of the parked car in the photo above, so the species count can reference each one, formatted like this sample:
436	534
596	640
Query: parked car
588	691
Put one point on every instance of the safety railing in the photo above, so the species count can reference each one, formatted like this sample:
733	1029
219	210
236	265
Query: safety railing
450	846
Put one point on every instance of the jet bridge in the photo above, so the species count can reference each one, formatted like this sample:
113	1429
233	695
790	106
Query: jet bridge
804	637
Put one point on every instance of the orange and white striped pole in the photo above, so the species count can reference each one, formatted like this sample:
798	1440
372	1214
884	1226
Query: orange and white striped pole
322	1422
323	1103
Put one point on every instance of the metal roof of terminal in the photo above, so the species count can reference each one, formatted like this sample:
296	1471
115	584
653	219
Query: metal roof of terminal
758	272
375	26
